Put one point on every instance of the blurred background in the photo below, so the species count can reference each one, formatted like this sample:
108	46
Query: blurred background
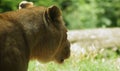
94	34
78	14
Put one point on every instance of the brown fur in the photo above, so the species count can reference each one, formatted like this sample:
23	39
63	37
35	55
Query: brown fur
32	33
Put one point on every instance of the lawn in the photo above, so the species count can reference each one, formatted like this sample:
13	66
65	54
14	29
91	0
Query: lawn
73	64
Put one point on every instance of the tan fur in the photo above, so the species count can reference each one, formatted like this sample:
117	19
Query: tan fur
33	33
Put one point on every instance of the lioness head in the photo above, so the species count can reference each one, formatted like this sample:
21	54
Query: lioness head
51	43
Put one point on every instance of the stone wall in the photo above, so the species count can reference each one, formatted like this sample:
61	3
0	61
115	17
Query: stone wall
93	41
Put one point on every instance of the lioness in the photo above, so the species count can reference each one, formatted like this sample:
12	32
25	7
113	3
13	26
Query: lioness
32	33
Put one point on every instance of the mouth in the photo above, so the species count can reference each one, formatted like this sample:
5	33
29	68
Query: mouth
60	61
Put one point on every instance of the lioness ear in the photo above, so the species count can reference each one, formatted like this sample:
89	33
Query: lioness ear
54	12
25	4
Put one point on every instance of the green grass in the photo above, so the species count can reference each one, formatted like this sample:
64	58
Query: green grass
76	65
107	60
97	60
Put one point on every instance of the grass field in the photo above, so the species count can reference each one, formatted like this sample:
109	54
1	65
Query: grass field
79	64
